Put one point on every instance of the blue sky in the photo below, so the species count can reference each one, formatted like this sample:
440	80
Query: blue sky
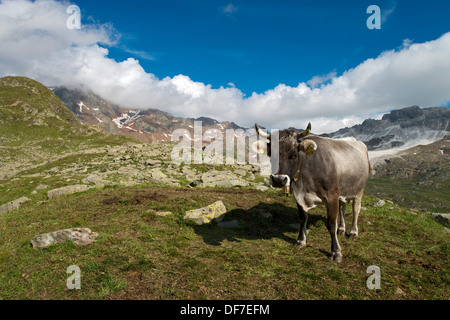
257	45
279	63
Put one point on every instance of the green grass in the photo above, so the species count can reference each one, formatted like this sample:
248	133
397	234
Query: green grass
139	255
410	193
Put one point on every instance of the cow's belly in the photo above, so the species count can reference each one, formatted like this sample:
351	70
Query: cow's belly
346	199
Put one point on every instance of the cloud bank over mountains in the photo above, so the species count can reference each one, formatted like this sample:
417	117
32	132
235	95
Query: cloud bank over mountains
36	43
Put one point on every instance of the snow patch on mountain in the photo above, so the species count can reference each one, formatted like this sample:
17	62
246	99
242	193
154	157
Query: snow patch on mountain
81	105
127	118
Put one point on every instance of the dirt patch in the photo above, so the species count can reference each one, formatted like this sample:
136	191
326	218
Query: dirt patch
139	199
417	262
110	201
151	196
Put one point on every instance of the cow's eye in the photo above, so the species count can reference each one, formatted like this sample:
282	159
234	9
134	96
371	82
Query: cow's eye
295	155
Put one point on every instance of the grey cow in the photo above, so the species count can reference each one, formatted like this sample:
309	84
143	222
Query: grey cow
321	170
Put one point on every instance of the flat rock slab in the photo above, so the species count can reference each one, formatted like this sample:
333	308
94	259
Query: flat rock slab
15	204
215	211
97	180
67	190
224	179
79	236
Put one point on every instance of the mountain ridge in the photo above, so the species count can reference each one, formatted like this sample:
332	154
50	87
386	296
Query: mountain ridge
150	125
404	127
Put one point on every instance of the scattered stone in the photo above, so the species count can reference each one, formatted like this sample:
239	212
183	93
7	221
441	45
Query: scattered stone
157	176
224	178
190	174
229	224
240	172
152	163
96	180
163	213
15	204
79	236
399	292
379	203
41	187
34	192
441	217
215	211
251	177
261	188
67	190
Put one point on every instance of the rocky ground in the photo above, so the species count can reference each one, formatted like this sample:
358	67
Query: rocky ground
126	165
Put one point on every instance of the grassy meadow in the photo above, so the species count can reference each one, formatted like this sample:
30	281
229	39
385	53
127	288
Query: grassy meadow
140	255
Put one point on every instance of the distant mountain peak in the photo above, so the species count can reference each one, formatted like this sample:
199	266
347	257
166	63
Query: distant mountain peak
401	128
403	114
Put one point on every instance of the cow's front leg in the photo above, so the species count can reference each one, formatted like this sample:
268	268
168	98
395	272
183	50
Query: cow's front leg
303	215
332	213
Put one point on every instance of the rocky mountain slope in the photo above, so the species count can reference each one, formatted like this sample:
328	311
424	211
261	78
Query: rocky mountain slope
404	128
36	127
149	125
425	162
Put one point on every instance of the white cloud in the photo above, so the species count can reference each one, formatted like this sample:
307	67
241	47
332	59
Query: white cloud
385	13
229	9
36	43
320	80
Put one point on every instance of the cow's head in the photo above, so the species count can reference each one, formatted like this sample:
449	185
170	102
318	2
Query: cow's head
291	144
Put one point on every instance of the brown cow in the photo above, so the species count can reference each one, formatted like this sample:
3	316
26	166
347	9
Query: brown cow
321	170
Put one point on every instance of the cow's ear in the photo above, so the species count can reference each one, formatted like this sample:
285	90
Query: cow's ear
307	146
259	147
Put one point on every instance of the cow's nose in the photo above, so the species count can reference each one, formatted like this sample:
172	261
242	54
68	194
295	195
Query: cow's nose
279	180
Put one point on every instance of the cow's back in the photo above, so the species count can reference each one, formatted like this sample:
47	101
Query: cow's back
348	161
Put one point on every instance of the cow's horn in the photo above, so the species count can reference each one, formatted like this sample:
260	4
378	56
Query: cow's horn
261	133
306	132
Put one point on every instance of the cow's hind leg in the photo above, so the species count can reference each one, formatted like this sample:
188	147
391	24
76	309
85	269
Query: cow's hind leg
331	223
342	207
303	215
356	210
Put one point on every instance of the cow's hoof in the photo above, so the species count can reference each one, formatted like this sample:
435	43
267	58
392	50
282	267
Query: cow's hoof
300	244
341	231
353	234
336	256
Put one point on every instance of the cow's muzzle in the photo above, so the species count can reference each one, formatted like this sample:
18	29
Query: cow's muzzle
281	181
